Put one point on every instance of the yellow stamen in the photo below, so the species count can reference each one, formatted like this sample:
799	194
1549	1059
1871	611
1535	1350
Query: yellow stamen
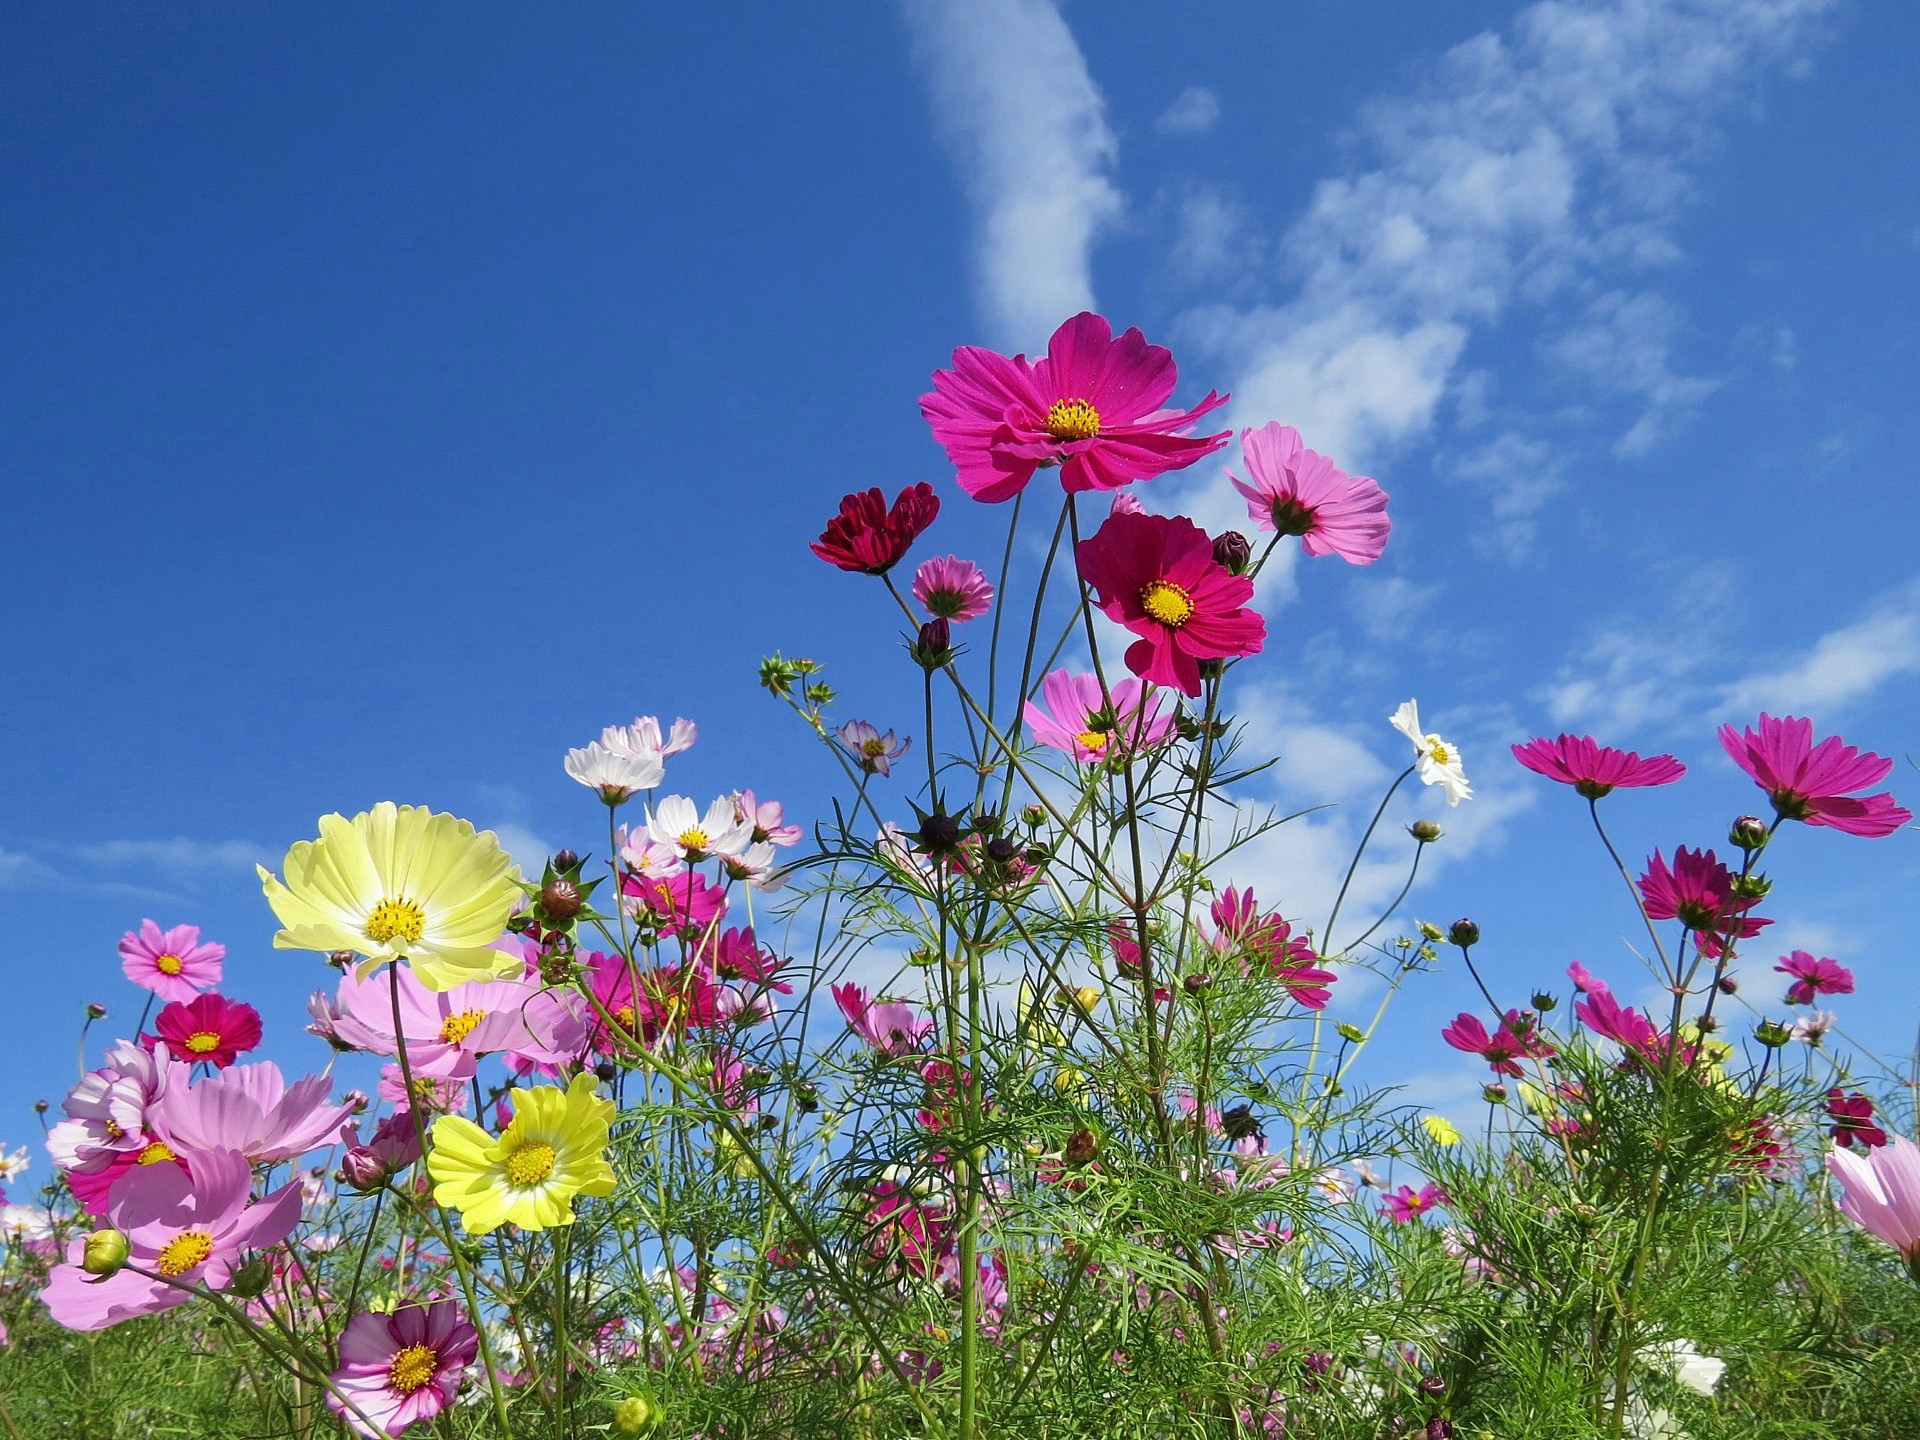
412	1368
1072	420
531	1164
114	1132
1167	603
1438	750
1094	740
694	839
168	965
396	919
202	1042
457	1027
156	1152
186	1250
875	746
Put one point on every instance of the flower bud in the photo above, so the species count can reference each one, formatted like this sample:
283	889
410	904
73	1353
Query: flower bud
1035	816
986	822
1728	985
1429	931
1000	849
1772	1034
1751	887
1350	1033
1543	1002
637	1415
1463	933
1197	984
96	1011
560	900
1433	1385
106	1252
933	647
1439	1428
40	1107
341	959
1081	1147
563	861
606	1072
1232	550
251	1277
362	1170
1495	1094
1749	832
1425	831
939	834
356	1101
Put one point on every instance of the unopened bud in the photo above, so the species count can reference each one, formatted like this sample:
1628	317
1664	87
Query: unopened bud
106	1252
96	1011
560	900
1494	1094
1749	832
1439	1428
563	861
1708	1023
251	1277
341	959
1544	1002
1232	550
1463	933
362	1170
1429	931
1035	816
637	1415
1197	984
40	1107
606	1072
1000	849
1081	1147
1425	831
1433	1385
1350	1033
356	1101
1751	887
1728	985
1772	1034
933	647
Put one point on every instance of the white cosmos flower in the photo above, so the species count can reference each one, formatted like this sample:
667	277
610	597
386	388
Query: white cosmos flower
642	738
719	832
615	775
756	866
1696	1372
1438	761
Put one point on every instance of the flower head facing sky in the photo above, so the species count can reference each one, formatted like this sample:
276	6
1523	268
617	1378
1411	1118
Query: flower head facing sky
867	538
554	1149
399	882
174	964
1595	770
1815	783
208	1027
1880	1192
402	1367
1437	761
1093	405
874	751
1156	575
1292	490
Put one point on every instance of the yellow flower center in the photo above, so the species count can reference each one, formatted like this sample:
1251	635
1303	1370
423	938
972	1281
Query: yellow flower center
1094	740
412	1368
114	1132
396	919
1072	420
875	746
1167	603
168	965
202	1042
183	1252
624	1015
156	1152
694	839
1437	748
531	1163
457	1027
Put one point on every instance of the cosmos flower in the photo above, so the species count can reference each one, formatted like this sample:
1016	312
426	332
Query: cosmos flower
554	1149
1439	763
173	964
1697	890
1294	491
1815	783
251	1109
889	1026
869	539
1405	1205
1156	575
952	588
1624	1025
447	1031
107	1111
400	883
1514	1040
1074	707
1094	406
875	752
1592	769
1814	975
615	777
767	820
1852	1117
401	1367
1880	1192
208	1027
1263	944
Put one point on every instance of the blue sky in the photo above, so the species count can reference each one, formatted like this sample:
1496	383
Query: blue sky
396	397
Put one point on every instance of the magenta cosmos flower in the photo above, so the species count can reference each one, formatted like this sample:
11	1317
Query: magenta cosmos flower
1852	1117
1075	718
1263	944
887	1025
249	1108
868	538
1880	1192
190	1230
208	1027
1295	491
1156	575
952	588
1405	1205
1698	892
1814	975
1815	783
1093	406
1513	1041
173	964
1592	769
402	1367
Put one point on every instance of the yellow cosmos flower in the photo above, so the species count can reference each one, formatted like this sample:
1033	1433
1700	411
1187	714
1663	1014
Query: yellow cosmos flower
1440	1129
399	882
554	1149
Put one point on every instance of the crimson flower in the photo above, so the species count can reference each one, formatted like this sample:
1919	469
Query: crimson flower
208	1027
868	538
1094	406
1156	575
1813	975
1594	769
1814	783
1514	1040
1852	1117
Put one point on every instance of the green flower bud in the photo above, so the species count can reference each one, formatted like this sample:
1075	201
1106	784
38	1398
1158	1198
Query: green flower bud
637	1415
106	1252
1352	1034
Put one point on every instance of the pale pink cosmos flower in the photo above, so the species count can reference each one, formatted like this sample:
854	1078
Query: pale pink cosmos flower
402	1367
1066	721
1094	406
191	1230
614	777
174	964
1814	975
107	1111
875	752
952	588
447	1031
768	819
1296	491
1880	1192
889	1026
251	1109
677	824
433	1095
1593	769
1814	783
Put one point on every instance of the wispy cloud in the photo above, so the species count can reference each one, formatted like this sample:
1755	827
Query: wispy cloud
1027	127
1195	111
1842	666
177	858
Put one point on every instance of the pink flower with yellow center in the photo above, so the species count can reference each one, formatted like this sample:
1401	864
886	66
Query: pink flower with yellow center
208	1027
447	1031
1292	490
1156	575
1093	405
249	1108
1405	1205
174	964
1077	719
400	1368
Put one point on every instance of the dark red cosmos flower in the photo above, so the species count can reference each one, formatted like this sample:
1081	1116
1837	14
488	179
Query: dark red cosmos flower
1852	1117
869	539
1595	769
1812	783
208	1027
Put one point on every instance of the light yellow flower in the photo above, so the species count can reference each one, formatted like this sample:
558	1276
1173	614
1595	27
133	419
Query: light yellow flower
1440	1129
554	1150
399	882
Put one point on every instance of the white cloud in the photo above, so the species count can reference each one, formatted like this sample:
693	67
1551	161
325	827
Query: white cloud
1026	125
1622	345
1195	111
179	856
528	850
1843	665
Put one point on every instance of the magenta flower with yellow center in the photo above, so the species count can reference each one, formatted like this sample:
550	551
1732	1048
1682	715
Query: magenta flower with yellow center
400	1368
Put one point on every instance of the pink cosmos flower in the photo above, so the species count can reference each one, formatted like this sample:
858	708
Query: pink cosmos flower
875	752
952	588
402	1367
905	1229
1624	1025
1594	769
1067	720
1814	976
251	1109
208	1027
1094	406
190	1229
767	820
173	964
889	1026
1698	892
1295	491
1264	944
868	538
1584	980
447	1031
1156	575
1814	783
1880	1192
106	1124
1852	1117
1405	1205
433	1096
1515	1039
